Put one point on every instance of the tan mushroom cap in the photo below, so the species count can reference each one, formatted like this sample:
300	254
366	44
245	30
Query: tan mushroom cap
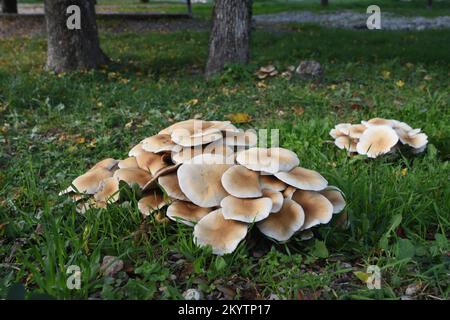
276	197
183	154
108	191
170	185
241	182
347	143
88	183
356	130
285	223
201	183
377	140
246	210
151	202
306	235
136	150
268	69
402	126
108	164
221	234
380	122
271	182
413	139
334	195
153	182
186	212
133	175
150	161
186	140
289	192
271	160
318	209
341	129
241	139
129	162
182	124
158	143
304	179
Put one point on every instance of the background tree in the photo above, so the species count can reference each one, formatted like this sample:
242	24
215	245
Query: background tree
72	49
230	36
9	6
429	4
324	2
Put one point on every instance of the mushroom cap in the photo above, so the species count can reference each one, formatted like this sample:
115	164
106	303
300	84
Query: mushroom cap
335	196
198	140
289	192
377	140
276	197
356	130
347	143
186	212
318	209
129	162
304	179
271	182
221	234
196	132
108	164
402	126
136	150
341	129
150	161
153	182
88	183
412	138
151	202
268	69
133	175
241	182
84	206
201	183
108	191
380	122
271	160
183	154
170	185
241	139
219	148
246	210
158	143
283	224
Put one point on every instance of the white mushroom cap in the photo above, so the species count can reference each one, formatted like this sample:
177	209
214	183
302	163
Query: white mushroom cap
88	183
192	141
150	161
413	139
304	179
170	185
158	143
221	234
402	126
335	196
270	160
283	224
201	183
241	182
246	210
268	69
241	139
341	129
153	182
108	191
184	154
380	122
129	162
133	175
107	164
186	212
136	150
276	197
151	202
272	183
317	208
347	143
356	131
377	140
182	124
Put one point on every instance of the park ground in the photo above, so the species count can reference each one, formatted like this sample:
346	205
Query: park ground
54	127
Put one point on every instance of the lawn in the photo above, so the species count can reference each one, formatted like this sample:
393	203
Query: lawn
54	127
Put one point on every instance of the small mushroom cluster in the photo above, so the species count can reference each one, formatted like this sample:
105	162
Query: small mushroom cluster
271	71
213	177
378	136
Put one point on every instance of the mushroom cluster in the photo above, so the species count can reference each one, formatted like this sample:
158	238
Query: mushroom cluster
213	177
378	136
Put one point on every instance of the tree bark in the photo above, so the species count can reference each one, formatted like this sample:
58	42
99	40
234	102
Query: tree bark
230	36
324	2
9	6
72	49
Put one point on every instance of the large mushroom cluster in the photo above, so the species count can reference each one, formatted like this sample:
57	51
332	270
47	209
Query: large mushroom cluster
377	137
213	177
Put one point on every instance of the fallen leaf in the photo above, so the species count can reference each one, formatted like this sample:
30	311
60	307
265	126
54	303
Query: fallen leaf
239	117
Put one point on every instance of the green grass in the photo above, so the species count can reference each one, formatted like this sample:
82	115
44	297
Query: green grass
398	221
203	11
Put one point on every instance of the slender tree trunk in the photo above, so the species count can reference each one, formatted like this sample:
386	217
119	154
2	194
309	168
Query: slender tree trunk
430	4
9	6
230	37
324	2
72	49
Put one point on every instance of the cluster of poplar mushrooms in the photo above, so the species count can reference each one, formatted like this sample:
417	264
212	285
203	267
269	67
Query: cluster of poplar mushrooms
213	177
377	137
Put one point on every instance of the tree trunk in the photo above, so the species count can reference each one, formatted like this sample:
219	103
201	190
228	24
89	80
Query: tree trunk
430	4
72	49
9	6
230	36
324	2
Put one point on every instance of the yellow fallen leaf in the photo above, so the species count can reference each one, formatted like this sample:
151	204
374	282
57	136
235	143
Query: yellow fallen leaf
261	85
386	74
80	140
400	83
299	110
239	117
362	276
428	78
404	171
